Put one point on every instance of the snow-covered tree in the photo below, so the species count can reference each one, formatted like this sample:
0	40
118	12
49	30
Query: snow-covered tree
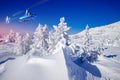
90	49
51	42
40	38
10	37
65	38
26	42
86	45
37	36
62	28
45	37
87	37
59	31
51	38
18	48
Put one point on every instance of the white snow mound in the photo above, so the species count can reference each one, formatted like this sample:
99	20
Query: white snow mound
47	68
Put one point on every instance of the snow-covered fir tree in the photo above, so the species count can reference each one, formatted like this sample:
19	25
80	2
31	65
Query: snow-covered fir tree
37	36
90	49
41	38
51	38
87	39
86	44
62	28
45	37
56	35
27	41
18	48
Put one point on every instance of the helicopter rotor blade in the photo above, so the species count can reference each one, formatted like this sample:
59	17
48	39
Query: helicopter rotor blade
17	13
34	5
37	4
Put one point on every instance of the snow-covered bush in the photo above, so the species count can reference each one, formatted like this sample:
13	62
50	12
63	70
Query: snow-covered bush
10	37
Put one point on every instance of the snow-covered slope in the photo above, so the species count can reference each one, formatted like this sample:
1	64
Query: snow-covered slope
59	66
45	68
108	34
107	67
6	51
109	64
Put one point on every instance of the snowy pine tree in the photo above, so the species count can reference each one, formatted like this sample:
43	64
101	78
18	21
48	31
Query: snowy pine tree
86	45
18	48
90	49
41	38
62	28
37	36
59	32
45	37
87	38
26	42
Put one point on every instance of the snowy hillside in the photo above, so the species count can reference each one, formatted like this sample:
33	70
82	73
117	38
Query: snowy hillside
108	34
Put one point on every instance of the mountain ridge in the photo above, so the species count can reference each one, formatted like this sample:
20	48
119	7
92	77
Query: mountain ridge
110	34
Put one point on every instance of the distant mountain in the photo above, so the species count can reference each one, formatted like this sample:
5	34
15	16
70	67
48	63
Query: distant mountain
109	35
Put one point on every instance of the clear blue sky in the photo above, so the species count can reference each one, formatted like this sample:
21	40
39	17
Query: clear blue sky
78	13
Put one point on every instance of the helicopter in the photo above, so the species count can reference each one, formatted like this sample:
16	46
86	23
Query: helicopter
24	18
27	16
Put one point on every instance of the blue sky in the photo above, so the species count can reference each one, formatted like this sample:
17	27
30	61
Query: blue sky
78	13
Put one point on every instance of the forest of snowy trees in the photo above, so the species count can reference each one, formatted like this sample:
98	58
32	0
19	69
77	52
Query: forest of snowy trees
45	42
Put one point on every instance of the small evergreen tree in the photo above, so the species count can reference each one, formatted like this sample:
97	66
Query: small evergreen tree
41	39
18	48
26	42
90	49
37	36
62	28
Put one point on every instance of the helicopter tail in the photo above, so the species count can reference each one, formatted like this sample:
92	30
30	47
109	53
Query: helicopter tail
7	20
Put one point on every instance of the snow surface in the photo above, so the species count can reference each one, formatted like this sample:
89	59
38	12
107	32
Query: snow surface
45	68
59	67
6	51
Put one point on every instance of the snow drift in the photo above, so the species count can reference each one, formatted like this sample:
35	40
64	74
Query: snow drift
45	68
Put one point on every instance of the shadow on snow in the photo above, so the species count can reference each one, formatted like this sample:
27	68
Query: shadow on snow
10	58
110	56
88	67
